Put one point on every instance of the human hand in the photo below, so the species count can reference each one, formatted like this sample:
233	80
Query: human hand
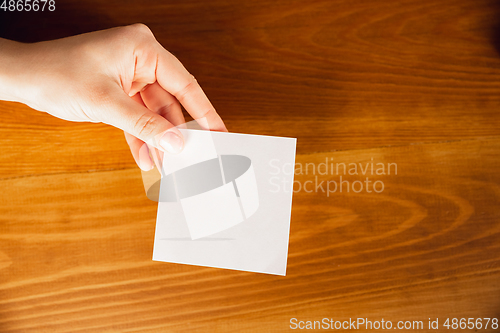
121	76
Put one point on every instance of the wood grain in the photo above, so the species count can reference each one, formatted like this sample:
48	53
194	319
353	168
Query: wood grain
415	83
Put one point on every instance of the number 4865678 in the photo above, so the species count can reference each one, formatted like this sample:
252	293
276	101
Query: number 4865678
28	5
471	323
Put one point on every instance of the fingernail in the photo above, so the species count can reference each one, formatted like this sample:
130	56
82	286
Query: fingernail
146	165
172	143
145	162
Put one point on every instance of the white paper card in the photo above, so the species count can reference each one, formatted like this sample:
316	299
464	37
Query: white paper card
229	202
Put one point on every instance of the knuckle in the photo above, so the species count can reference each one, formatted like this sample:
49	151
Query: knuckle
187	88
141	28
166	108
207	112
145	126
133	33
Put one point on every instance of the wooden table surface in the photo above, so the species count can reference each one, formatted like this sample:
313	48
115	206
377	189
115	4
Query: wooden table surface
414	83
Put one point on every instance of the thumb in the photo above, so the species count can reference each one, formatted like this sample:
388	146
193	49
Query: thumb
144	124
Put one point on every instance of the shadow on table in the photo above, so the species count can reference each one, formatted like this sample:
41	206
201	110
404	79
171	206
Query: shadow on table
70	18
495	39
495	36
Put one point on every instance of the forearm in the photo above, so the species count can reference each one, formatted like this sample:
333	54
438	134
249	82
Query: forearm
16	64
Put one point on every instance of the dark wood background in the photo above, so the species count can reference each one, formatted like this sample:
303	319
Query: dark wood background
412	82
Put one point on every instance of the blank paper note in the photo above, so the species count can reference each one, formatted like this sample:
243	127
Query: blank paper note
225	202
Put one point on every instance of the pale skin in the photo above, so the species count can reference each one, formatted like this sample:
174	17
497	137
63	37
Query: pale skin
121	76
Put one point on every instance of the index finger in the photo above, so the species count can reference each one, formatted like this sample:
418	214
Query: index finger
174	78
